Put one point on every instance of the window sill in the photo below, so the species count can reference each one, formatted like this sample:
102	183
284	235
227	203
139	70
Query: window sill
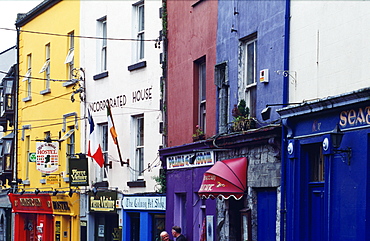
68	83
45	91
136	184
28	98
136	66
101	75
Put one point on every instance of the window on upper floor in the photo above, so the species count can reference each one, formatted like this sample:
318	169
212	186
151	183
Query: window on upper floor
222	84
139	26
200	81
248	67
27	78
7	154
70	55
71	142
46	70
139	146
102	30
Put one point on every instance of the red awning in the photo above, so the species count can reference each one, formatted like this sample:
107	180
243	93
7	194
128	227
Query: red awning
227	178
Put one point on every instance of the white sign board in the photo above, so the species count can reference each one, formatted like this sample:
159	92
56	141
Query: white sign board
197	159
144	203
47	159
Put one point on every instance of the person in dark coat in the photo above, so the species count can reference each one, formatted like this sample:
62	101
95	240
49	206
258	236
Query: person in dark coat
176	232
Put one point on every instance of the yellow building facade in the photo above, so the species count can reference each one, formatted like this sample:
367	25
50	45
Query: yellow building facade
48	123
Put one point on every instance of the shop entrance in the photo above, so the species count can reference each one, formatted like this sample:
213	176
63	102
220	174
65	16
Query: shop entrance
314	158
106	227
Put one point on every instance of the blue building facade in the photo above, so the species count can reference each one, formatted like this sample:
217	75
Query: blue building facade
328	168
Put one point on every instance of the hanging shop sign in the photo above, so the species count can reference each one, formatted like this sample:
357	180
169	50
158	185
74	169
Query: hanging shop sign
196	159
102	201
144	203
78	172
47	159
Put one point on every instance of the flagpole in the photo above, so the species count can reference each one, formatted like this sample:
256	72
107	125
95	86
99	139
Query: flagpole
116	138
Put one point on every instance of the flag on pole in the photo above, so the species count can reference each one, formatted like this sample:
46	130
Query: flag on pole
111	127
94	148
113	132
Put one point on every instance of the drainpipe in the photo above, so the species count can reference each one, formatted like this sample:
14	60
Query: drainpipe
283	134
15	178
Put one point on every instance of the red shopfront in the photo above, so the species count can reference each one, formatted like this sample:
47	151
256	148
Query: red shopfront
43	217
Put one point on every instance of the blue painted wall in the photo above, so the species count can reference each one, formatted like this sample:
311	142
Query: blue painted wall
267	18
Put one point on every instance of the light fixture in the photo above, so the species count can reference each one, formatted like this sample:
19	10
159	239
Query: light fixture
55	192
37	191
22	192
336	137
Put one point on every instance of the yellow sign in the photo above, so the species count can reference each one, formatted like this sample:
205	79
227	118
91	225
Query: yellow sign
52	179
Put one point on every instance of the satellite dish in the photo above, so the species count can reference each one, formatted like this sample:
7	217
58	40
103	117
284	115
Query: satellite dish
67	135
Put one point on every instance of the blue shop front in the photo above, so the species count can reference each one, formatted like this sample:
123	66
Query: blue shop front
326	169
143	216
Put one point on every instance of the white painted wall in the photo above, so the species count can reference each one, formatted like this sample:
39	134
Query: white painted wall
329	48
123	82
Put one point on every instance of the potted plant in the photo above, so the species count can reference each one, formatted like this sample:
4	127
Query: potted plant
242	121
199	134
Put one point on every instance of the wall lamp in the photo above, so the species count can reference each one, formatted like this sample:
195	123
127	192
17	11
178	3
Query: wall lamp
266	112
37	191
55	192
336	137
22	192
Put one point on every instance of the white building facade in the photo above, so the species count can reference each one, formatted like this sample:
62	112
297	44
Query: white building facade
122	68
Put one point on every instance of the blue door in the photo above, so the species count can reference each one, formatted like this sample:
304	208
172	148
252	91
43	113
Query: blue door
266	214
315	192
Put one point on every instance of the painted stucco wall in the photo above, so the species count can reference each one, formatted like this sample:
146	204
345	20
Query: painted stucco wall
267	19
44	112
120	86
191	35
328	48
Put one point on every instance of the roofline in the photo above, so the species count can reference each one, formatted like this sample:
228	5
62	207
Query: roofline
13	47
39	9
326	103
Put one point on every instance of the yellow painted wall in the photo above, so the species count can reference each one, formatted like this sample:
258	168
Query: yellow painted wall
44	112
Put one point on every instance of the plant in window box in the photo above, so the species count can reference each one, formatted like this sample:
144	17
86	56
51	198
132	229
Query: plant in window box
242	121
199	134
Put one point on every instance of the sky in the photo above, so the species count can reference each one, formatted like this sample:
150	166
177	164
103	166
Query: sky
8	15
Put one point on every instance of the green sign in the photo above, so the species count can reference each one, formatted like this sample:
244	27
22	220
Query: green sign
32	157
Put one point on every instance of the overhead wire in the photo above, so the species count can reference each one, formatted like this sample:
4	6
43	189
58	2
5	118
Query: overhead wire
37	78
80	36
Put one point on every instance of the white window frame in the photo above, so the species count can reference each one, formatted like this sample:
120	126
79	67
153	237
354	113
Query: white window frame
102	51
28	76
139	11
70	55
139	138
46	67
249	63
202	108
